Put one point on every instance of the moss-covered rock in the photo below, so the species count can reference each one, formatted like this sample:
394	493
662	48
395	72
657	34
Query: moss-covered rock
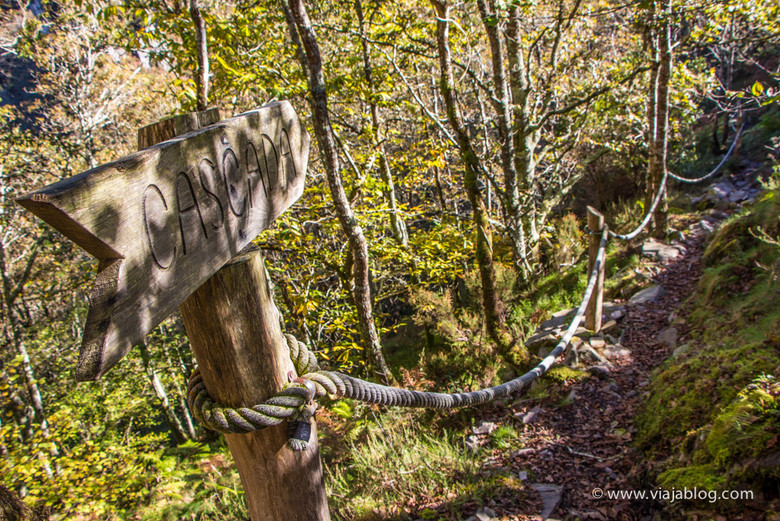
552	384
703	477
712	414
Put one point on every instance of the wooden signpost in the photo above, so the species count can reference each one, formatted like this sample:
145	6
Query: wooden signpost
163	222
164	219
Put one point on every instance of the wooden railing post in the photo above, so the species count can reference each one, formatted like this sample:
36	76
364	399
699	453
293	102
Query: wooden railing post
593	311
235	333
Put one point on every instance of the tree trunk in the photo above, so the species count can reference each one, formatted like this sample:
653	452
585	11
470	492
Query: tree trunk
501	101
512	125
202	77
652	120
715	142
185	411
184	372
518	194
13	508
660	219
22	413
658	114
494	320
296	40
174	424
327	144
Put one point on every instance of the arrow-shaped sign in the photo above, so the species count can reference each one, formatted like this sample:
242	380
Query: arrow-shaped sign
164	219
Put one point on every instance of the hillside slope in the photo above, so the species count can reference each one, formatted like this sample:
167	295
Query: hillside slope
712	418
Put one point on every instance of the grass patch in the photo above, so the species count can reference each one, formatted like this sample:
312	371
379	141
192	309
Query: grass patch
400	470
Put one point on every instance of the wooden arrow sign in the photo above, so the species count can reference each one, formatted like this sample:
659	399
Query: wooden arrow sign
164	219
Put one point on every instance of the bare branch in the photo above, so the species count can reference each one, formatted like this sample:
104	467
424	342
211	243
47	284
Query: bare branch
202	77
587	99
417	98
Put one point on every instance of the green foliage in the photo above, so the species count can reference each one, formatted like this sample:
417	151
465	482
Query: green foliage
99	472
109	445
196	481
745	428
436	314
714	404
458	354
548	294
564	244
398	466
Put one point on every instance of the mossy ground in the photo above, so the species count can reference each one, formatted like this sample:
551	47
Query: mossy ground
712	414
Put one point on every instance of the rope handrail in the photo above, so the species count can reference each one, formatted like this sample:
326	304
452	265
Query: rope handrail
714	170
661	188
291	402
648	216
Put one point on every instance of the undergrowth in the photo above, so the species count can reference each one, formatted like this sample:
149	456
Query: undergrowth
714	405
196	481
393	467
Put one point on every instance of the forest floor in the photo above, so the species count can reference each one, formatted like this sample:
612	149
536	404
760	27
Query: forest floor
578	451
584	449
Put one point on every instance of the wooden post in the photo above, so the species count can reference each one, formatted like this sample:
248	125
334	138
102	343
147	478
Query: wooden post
234	329
595	304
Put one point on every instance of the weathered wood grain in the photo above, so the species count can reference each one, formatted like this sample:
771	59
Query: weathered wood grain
596	303
169	128
164	219
235	333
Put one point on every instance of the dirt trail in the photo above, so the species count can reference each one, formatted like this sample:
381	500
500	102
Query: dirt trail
585	446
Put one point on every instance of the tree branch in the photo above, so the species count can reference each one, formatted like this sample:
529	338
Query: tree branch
587	99
202	77
420	103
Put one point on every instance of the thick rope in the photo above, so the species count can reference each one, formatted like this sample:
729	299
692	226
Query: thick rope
291	402
648	216
221	418
714	170
659	194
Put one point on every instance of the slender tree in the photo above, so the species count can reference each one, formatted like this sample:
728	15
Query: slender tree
539	112
15	274
202	77
659	36
327	142
174	424
494	319
396	221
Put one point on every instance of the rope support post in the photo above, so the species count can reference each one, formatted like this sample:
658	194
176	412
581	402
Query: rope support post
596	302
235	333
